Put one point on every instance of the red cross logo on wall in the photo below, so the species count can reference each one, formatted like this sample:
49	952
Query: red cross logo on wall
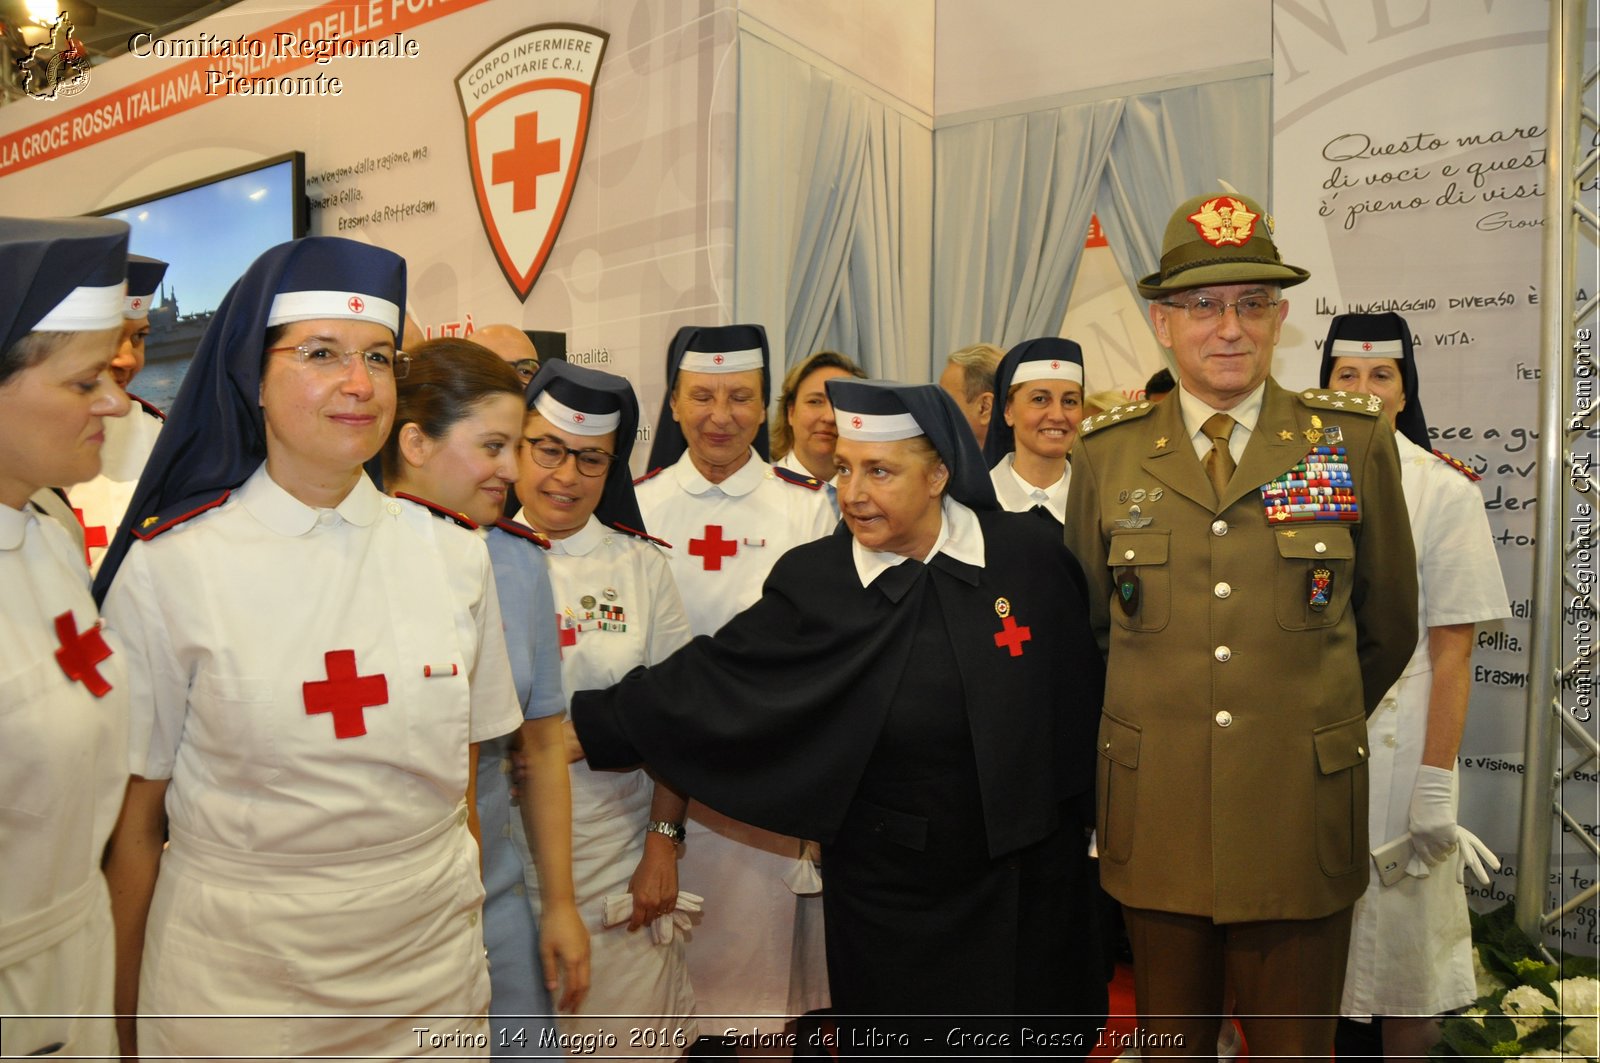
1011	637
713	548
345	693
356	305
80	653
527	160
92	537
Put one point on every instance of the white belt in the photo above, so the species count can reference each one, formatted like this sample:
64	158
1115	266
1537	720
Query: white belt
37	931
315	872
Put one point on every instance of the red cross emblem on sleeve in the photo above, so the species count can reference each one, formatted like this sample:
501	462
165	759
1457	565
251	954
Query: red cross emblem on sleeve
345	694
1011	636
713	548
80	652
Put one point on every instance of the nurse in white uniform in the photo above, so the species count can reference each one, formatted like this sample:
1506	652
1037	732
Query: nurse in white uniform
1039	389
803	429
458	420
616	608
99	503
63	688
729	516
310	667
1410	948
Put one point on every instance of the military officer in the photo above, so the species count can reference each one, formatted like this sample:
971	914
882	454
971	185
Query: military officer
1253	584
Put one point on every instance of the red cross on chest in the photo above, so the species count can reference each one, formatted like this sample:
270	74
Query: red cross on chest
92	537
80	652
1011	636
527	160
713	548
345	694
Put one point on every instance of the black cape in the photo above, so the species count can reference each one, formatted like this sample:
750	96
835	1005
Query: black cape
772	720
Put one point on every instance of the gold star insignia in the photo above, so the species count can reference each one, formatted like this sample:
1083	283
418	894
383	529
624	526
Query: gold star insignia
1161	444
1285	435
148	521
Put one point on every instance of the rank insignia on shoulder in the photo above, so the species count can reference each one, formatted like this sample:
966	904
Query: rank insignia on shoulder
1116	415
459	519
798	479
1343	401
637	534
1458	465
187	510
522	531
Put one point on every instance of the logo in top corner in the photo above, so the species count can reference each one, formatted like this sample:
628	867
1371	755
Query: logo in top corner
526	104
1224	220
58	67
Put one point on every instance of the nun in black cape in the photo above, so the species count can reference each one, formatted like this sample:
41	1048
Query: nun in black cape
933	729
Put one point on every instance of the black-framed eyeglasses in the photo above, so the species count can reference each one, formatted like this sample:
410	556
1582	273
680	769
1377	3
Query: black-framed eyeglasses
377	363
525	368
1206	308
551	452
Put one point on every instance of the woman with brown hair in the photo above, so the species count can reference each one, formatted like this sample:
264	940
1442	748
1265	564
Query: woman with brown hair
802	427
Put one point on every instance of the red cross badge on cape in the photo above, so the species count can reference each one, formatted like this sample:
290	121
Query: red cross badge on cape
526	103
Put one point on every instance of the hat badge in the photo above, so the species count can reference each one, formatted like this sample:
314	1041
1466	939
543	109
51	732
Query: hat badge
578	418
1224	220
718	360
136	302
855	422
356	304
1055	365
1367	346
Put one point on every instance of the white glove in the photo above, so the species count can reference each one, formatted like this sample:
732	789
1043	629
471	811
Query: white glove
1432	819
1474	854
618	909
804	878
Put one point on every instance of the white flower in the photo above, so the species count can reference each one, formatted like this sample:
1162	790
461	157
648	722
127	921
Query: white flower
1527	1000
1540	1053
1486	982
1578	996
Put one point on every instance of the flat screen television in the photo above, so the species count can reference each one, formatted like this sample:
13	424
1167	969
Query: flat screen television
209	231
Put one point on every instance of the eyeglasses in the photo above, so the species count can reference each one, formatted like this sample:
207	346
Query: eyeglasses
1205	308
552	453
525	368
325	359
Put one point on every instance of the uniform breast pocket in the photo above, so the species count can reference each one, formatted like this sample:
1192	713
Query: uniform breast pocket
1315	568
1341	798
1141	581
46	726
1116	786
231	721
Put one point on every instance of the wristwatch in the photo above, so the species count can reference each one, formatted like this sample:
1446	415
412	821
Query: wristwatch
674	831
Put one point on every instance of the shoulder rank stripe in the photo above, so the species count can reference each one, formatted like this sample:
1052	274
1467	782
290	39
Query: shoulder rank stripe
522	531
637	534
1116	415
458	519
796	478
151	527
1458	465
652	473
149	407
1342	401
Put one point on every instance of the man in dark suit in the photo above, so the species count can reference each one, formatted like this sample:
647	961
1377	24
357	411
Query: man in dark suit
1253	584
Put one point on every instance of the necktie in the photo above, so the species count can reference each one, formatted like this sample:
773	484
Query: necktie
1219	463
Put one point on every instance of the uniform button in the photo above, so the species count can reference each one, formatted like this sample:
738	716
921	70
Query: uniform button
1361	751
1219	527
1106	746
1128	555
1389	741
1224	718
1222	653
1321	548
472	918
519	889
394	509
461	817
505	766
505	832
1222	590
